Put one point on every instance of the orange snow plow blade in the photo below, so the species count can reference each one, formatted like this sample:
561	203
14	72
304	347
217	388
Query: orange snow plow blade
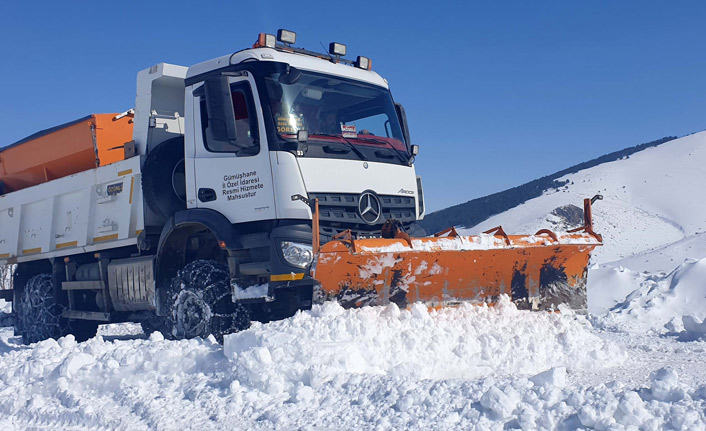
538	271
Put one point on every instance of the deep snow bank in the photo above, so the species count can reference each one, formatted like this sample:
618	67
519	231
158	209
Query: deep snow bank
374	368
609	284
135	384
465	342
657	302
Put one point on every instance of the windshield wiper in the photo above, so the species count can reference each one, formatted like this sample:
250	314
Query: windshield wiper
400	154
343	141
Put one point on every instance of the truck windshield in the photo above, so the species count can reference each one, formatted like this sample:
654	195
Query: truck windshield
338	113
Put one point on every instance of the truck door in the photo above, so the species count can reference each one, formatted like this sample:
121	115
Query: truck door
232	175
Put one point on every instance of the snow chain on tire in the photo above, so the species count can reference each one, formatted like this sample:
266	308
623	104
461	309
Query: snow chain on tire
38	313
201	303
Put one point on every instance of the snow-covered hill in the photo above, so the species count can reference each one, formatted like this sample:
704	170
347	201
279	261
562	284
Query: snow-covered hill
652	199
652	216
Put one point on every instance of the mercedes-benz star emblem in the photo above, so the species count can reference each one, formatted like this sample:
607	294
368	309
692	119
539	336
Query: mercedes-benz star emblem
365	165
369	208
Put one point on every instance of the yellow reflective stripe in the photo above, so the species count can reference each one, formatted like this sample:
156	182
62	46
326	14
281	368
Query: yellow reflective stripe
4	255
287	277
105	238
126	172
32	250
132	187
67	244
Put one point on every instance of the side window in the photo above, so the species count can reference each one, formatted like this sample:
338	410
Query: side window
247	142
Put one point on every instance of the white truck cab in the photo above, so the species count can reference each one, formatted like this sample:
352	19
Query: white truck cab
274	95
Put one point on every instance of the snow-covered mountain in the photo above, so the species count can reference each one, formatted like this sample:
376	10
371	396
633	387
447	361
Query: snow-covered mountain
652	216
651	199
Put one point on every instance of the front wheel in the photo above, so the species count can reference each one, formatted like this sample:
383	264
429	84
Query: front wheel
200	303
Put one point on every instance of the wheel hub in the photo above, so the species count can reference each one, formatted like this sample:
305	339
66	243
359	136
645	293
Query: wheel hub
191	315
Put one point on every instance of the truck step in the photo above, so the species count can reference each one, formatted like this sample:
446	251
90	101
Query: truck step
83	285
254	268
87	315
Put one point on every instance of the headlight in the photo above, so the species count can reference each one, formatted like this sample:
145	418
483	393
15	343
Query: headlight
297	254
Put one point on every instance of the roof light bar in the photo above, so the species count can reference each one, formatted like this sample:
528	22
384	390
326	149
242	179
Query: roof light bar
363	63
265	40
286	36
338	49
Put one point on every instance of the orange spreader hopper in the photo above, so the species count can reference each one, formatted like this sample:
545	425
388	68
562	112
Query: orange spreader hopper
538	271
92	141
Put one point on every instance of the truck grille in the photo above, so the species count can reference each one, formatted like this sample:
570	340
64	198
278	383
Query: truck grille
339	212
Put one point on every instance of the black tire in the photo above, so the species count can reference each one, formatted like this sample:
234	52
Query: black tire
163	181
83	330
38	314
200	303
156	323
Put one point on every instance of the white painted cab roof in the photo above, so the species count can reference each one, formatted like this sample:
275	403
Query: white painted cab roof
300	61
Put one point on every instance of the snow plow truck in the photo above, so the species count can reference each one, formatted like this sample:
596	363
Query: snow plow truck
245	188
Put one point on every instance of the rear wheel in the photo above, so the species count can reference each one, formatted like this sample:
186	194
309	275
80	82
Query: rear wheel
38	313
201	303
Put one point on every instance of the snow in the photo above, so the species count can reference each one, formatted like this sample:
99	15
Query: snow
635	362
470	367
694	328
257	291
660	299
5	313
467	342
476	242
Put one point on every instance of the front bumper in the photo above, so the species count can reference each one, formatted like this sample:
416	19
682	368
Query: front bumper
287	283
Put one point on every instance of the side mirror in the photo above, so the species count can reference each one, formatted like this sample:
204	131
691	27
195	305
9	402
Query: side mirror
402	116
302	147
219	107
302	136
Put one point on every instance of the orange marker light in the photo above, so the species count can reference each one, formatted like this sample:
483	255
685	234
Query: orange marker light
265	40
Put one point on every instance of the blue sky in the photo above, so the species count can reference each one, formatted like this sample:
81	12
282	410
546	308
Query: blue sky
497	93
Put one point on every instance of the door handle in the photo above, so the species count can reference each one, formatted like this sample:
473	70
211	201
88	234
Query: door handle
207	195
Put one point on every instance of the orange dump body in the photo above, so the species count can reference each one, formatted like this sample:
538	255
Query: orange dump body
536	271
92	141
